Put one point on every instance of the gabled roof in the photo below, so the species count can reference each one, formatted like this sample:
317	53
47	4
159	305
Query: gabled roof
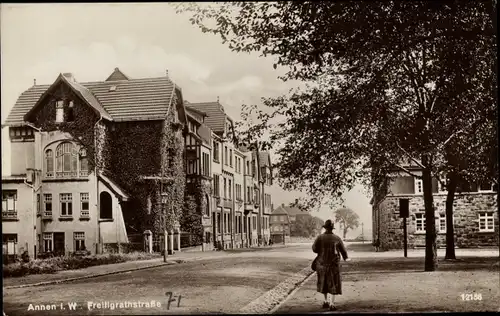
216	117
117	75
122	195
77	88
279	210
131	100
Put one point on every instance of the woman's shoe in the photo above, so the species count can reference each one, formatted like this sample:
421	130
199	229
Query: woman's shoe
333	308
326	305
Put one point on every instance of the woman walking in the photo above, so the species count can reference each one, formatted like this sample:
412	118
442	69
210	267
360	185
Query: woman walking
329	248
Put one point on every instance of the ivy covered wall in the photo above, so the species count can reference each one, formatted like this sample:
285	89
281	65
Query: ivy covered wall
194	209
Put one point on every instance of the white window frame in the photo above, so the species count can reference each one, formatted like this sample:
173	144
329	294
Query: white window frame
9	202
59	111
66	198
48	240
442	219
420	221
419	182
487	218
84	198
47	199
489	190
77	238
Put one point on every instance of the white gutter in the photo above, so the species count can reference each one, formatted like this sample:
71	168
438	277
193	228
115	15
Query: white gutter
98	246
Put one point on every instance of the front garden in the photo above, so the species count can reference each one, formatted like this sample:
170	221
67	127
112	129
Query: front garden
55	264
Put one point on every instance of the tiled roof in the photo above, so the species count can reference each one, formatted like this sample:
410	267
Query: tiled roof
216	118
279	210
117	75
134	99
295	211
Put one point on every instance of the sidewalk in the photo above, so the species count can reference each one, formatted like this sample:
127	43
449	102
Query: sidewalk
178	257
400	285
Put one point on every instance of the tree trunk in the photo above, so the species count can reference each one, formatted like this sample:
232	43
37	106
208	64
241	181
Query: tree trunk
450	234
345	232
430	231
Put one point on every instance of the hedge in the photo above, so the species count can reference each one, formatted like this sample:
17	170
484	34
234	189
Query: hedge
52	265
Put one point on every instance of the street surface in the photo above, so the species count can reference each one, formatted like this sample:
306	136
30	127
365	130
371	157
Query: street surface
207	286
372	282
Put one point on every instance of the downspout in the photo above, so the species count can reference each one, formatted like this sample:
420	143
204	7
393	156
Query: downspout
98	245
33	203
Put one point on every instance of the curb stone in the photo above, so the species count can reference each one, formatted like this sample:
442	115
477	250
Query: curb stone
172	262
266	303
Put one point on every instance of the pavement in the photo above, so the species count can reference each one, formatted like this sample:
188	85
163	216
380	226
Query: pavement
386	282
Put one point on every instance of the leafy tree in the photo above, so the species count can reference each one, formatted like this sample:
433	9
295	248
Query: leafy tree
348	219
383	80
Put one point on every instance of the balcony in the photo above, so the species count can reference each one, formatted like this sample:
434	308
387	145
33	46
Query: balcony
9	216
228	203
82	174
47	215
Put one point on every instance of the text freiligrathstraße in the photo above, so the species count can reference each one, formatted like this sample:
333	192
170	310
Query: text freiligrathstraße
126	304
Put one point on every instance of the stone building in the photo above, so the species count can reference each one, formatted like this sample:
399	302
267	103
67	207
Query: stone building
475	215
94	164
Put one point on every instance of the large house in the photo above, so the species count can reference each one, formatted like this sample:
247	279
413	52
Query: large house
93	163
474	212
280	225
110	165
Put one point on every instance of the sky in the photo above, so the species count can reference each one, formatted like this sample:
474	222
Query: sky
39	41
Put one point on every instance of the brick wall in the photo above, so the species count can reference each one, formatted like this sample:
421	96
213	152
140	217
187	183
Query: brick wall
466	221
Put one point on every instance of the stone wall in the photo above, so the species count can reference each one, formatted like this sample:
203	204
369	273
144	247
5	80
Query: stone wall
466	221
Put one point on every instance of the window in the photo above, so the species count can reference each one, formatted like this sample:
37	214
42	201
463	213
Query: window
9	203
106	205
84	163
47	202
216	186
441	187
418	186
79	241
486	220
238	192
420	222
225	155
38	204
254	223
225	188
191	166
249	195
67	160
207	206
48	242
485	187
70	115
442	223
248	168
216	151
49	163
230	157
66	204
84	198
230	189
59	111
206	165
219	226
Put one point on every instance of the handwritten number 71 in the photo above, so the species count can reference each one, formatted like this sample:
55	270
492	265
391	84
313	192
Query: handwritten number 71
171	298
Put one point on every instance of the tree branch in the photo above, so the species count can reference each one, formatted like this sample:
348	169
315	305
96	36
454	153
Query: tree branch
408	171
411	157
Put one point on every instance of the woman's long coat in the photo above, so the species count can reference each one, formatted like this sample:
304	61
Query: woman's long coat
329	248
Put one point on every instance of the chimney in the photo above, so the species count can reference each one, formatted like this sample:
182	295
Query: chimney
166	72
69	76
34	82
282	204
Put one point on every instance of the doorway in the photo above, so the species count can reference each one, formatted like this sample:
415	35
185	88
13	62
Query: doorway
59	244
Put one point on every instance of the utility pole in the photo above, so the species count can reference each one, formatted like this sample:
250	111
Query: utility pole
362	232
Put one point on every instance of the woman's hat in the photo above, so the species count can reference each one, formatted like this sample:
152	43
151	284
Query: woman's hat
328	224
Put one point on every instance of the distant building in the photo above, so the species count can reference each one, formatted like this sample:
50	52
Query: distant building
280	225
474	212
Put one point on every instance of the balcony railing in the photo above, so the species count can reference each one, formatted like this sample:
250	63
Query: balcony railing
9	214
67	174
85	214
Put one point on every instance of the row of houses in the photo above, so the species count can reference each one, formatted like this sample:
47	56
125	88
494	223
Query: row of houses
98	166
282	219
475	212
